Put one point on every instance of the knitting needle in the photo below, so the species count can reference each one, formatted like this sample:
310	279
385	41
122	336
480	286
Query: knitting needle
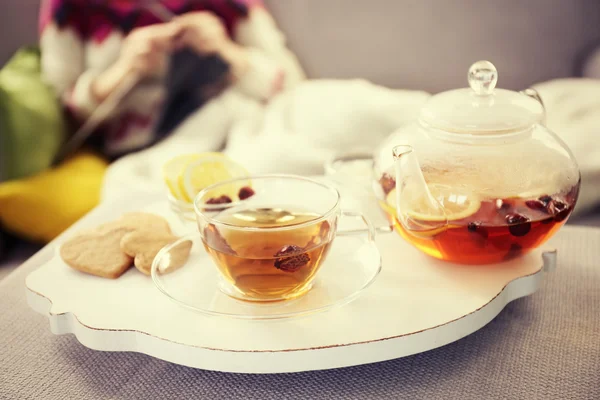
112	101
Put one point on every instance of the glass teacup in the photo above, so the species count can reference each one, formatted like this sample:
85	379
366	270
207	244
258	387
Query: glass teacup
269	235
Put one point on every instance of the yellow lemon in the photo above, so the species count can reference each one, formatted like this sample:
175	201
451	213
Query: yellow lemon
173	169
207	170
455	206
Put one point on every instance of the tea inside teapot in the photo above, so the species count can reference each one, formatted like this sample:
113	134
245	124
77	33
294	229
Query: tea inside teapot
475	188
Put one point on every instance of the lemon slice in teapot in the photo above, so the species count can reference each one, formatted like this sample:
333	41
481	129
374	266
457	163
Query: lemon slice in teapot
452	206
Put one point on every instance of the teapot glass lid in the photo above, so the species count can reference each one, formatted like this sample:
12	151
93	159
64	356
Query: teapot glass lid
481	108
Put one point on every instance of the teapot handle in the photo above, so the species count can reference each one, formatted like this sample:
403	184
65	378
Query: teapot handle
531	92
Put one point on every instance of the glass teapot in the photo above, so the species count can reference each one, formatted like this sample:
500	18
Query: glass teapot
477	178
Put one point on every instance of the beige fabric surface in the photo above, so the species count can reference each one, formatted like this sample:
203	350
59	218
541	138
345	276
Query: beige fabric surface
546	346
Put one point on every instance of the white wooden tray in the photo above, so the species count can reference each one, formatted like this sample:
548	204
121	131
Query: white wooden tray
416	304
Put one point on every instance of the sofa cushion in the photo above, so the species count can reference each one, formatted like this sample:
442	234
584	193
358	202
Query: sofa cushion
32	125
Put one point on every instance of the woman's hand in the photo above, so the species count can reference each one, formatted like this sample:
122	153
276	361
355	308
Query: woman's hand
144	53
206	34
203	32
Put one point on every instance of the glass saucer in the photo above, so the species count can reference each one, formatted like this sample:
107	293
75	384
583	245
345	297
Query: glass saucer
351	266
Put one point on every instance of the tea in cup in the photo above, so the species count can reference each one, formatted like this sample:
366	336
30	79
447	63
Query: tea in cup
268	235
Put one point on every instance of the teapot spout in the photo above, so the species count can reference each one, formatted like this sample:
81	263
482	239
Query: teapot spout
417	209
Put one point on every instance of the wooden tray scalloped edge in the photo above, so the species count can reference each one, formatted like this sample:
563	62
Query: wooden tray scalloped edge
296	360
318	358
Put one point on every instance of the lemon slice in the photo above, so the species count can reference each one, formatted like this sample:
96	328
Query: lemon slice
173	169
207	170
455	206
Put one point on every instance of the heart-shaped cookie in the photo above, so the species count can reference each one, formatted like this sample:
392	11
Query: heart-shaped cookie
139	221
143	247
97	252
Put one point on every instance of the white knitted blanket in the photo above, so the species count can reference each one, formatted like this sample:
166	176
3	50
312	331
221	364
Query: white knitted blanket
299	129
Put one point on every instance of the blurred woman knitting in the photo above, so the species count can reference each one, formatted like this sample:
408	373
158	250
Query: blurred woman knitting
183	53
216	76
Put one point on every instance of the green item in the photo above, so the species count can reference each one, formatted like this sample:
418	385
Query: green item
32	123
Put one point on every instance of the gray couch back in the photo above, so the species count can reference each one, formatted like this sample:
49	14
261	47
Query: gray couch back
417	44
430	44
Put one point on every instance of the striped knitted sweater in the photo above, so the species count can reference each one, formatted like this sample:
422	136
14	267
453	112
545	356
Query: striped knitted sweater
81	38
